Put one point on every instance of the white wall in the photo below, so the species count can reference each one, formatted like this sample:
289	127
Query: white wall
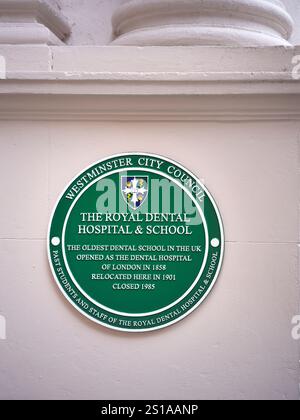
293	7
236	345
90	20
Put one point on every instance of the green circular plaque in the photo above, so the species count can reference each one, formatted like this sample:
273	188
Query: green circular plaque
135	242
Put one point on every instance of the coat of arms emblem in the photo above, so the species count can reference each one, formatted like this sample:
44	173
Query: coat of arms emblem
135	190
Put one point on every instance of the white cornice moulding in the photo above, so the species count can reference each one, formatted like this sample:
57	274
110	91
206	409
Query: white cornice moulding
150	71
202	22
157	83
31	22
78	107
